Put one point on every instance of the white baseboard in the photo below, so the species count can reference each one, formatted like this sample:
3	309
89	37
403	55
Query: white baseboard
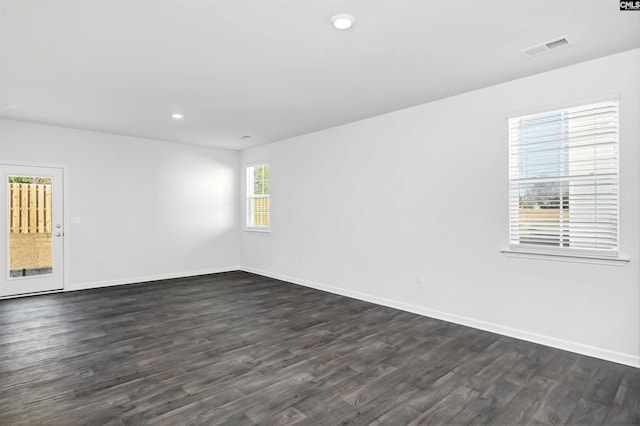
605	354
135	280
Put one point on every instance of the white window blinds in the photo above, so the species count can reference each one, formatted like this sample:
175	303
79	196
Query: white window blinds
563	179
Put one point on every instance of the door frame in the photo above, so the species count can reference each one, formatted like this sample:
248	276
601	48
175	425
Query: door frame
65	221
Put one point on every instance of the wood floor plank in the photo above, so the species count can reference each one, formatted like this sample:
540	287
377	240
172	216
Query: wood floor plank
588	412
237	348
447	409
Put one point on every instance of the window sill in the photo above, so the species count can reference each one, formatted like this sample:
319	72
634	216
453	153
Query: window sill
562	257
263	230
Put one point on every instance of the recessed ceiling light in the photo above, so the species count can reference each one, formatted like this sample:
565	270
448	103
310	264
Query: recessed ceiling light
342	21
11	106
245	137
177	115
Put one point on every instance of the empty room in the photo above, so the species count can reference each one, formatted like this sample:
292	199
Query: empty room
319	212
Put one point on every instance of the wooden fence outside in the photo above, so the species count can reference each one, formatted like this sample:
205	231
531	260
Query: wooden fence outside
534	215
30	208
261	212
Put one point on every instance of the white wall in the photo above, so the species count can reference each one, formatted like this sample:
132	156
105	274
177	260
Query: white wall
362	208
152	209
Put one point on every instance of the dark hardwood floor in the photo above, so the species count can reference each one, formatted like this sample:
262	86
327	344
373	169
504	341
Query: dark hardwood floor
237	348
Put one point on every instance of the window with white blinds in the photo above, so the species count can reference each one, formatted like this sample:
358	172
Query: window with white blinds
563	180
258	197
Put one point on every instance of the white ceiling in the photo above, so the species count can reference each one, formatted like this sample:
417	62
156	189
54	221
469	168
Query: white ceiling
274	69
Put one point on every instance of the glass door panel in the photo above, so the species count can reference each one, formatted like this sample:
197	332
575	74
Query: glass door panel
30	227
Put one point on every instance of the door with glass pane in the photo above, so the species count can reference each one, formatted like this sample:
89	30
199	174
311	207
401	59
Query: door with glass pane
32	228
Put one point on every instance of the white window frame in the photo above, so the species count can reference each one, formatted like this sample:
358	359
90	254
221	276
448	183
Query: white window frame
518	249
251	197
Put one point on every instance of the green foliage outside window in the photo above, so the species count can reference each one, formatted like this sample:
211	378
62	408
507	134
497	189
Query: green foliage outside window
261	181
29	179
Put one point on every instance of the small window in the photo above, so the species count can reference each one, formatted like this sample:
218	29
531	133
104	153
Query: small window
258	202
563	180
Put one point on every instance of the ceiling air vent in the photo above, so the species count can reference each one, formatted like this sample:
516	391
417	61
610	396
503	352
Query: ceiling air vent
545	47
